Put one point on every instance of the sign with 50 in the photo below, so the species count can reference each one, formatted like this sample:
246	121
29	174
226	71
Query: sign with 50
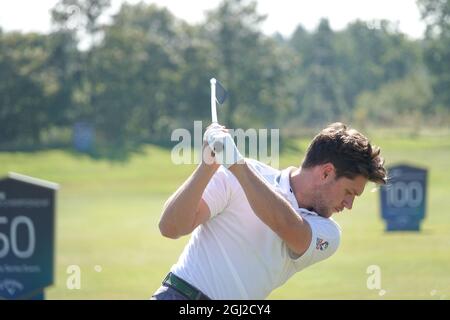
27	223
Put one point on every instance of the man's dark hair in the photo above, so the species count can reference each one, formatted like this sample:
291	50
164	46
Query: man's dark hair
349	151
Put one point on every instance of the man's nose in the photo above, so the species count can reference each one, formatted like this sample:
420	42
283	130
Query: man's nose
348	202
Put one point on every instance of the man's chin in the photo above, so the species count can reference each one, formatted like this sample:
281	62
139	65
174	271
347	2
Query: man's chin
325	213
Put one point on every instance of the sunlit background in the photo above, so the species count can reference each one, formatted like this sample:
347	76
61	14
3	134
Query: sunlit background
91	90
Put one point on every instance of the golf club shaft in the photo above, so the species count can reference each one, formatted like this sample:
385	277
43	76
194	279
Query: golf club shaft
218	146
213	101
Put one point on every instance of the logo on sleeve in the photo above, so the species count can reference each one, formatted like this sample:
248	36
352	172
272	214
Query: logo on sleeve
321	244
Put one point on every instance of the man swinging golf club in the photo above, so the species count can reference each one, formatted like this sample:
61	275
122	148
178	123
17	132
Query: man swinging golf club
255	226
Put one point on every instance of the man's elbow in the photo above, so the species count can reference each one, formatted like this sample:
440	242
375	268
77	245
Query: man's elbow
168	231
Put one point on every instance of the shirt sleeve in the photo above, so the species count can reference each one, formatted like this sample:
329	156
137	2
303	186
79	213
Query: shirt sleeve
219	191
325	240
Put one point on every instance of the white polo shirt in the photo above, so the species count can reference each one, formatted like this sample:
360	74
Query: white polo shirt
234	255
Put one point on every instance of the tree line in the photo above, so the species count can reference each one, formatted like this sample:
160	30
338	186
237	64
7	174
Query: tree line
135	78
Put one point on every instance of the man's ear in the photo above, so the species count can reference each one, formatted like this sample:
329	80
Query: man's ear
327	170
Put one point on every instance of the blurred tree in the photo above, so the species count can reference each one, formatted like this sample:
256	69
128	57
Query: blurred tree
371	54
323	98
81	19
436	14
80	16
151	77
248	63
63	53
133	64
335	67
147	72
31	87
397	102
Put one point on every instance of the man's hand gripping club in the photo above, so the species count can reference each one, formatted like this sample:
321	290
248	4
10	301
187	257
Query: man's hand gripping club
222	144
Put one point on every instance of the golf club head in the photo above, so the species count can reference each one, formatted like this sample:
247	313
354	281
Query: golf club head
221	93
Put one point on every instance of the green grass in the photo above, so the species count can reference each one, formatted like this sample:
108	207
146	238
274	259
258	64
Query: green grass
108	213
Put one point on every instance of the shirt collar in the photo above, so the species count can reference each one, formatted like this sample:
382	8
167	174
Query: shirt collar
284	183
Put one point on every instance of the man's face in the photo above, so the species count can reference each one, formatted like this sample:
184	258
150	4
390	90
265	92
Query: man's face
334	195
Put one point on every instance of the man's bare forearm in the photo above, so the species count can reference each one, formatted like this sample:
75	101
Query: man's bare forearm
273	209
180	209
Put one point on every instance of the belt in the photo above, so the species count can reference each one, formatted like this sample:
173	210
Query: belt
189	291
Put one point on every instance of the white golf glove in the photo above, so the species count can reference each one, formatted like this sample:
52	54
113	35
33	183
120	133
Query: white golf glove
226	152
213	127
